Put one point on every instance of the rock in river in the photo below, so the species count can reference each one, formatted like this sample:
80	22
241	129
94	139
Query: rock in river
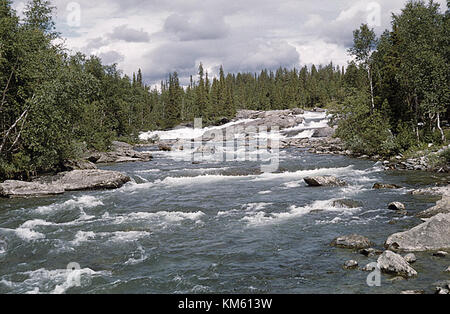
432	235
79	180
346	203
353	241
442	207
392	263
17	189
76	180
397	206
381	186
324	181
352	264
410	258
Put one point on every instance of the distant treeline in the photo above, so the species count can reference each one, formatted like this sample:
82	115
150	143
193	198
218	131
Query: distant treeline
54	106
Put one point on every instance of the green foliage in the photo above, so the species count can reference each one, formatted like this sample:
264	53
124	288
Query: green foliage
364	131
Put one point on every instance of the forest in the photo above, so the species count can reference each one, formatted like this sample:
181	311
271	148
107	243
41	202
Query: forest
392	98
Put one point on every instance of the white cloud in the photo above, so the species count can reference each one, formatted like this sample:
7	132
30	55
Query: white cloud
165	36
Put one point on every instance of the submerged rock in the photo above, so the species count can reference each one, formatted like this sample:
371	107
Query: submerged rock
392	263
370	252
440	254
397	206
328	181
353	241
431	235
347	203
352	264
164	147
381	186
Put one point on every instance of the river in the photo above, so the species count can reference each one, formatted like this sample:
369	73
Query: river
212	227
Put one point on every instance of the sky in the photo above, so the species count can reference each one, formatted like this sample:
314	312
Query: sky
163	36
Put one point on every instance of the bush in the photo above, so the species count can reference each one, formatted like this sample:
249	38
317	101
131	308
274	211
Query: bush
364	131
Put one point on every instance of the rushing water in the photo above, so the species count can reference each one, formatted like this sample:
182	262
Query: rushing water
214	227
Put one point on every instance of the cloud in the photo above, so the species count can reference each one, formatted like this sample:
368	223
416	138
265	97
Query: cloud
130	35
203	27
110	57
165	36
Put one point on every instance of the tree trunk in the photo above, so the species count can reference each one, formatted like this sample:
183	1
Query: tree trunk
439	127
369	74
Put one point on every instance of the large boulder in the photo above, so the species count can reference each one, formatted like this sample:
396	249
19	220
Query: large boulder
76	180
392	263
19	189
79	180
324	181
353	241
442	207
432	235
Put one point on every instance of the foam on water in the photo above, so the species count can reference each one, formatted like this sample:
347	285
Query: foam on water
188	133
59	281
81	202
261	218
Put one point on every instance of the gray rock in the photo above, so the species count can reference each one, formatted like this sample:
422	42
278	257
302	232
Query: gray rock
353	241
369	267
432	235
392	263
79	165
319	110
206	149
19	189
370	252
350	264
410	258
442	207
397	206
80	180
76	180
298	111
347	203
380	186
120	152
324	132
164	147
413	292
447	270
328	181
434	191
440	254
